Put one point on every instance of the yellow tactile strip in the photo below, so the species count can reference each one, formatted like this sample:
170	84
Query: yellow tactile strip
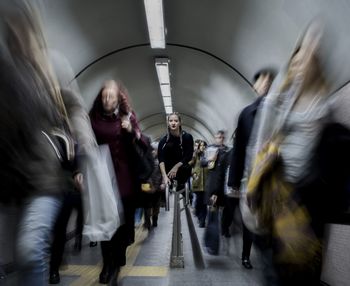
88	274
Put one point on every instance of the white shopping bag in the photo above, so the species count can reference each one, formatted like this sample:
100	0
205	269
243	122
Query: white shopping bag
102	204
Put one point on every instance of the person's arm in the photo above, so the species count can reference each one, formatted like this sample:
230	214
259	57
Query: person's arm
130	124
166	179
238	156
187	145
172	173
161	161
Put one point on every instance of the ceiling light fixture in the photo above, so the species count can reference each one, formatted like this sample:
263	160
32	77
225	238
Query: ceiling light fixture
155	23
162	67
168	109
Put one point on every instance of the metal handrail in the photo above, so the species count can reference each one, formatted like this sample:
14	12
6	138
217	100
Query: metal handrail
167	198
177	258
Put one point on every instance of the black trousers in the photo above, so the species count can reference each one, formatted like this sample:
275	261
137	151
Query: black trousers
201	207
114	251
227	218
152	206
71	200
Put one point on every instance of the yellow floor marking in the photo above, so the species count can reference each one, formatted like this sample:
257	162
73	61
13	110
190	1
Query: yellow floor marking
88	274
134	249
144	271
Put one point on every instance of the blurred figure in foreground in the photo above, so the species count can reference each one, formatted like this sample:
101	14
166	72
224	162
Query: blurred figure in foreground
152	192
262	82
115	124
293	177
33	118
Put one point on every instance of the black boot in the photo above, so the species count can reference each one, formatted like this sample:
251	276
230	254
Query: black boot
77	244
154	221
93	243
246	263
106	274
109	273
147	223
54	277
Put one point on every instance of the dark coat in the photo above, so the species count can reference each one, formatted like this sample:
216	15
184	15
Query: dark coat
326	190
28	163
172	150
215	182
243	131
108	130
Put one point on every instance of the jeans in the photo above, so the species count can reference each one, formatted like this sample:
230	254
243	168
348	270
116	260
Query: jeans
34	238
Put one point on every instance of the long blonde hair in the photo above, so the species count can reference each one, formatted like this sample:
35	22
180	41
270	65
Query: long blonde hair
312	36
26	40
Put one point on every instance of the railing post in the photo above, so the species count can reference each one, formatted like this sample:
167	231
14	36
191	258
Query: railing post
177	258
187	194
167	198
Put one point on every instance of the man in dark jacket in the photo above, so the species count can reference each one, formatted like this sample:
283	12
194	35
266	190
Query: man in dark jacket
263	80
216	163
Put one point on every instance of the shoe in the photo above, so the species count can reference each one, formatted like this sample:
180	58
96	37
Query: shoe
77	245
154	221
246	263
54	277
202	225
226	233
107	274
93	243
147	226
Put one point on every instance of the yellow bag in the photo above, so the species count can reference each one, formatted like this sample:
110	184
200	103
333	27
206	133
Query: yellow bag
271	199
147	188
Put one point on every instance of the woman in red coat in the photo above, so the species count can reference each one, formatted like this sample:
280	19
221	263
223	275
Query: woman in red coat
115	124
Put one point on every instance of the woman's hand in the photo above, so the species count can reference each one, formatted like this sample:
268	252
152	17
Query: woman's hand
78	181
126	124
166	180
213	199
173	172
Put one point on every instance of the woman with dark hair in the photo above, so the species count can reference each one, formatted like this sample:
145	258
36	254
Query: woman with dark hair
175	151
115	124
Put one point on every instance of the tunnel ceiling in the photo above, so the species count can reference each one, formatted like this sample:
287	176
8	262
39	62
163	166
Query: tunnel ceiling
215	47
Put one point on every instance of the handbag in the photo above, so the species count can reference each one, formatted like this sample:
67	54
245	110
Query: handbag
211	234
102	204
144	159
211	154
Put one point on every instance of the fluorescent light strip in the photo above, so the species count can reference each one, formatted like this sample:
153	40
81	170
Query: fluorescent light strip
167	100
168	109
155	23
165	89
163	73
162	67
